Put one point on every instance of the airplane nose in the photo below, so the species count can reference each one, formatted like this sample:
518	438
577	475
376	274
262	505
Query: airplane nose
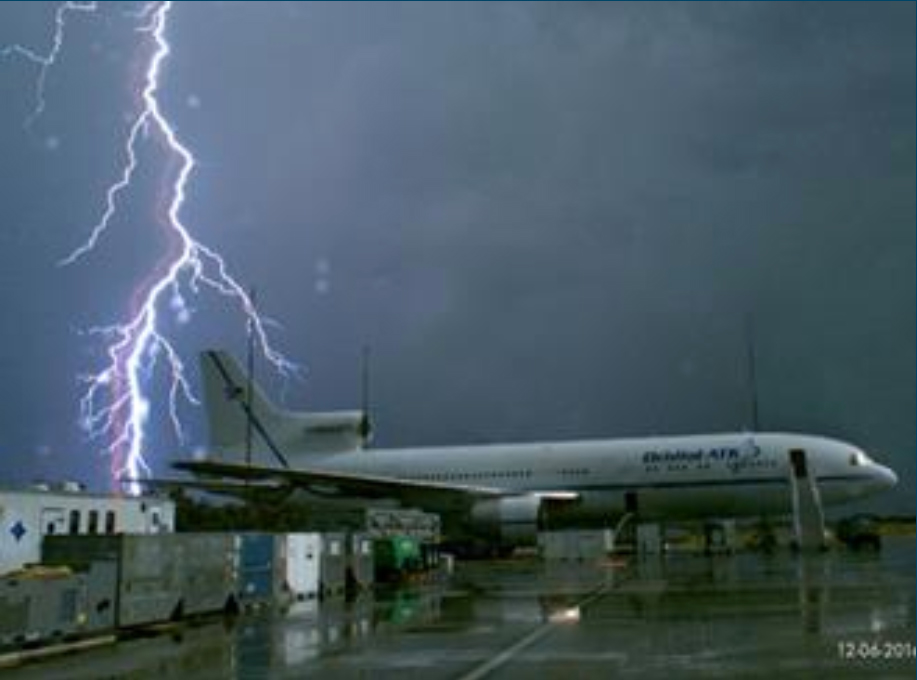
887	476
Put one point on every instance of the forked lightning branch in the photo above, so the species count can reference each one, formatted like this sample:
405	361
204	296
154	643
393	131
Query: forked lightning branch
116	403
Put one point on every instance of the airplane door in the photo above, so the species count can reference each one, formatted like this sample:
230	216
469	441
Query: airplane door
799	463
630	503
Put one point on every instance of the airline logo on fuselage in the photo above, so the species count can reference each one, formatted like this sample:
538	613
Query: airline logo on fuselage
732	457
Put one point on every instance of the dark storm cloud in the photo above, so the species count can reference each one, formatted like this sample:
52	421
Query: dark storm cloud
549	220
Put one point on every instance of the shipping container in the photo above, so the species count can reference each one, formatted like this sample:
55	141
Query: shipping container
649	539
720	537
255	568
209	583
575	544
360	563
149	578
389	522
101	580
41	608
333	567
300	561
396	556
159	576
429	556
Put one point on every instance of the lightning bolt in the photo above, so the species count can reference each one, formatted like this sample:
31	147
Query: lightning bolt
46	61
115	405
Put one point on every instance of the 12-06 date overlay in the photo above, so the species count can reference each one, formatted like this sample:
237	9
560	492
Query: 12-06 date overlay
876	650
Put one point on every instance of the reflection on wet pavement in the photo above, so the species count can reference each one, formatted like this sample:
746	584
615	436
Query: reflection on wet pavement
684	615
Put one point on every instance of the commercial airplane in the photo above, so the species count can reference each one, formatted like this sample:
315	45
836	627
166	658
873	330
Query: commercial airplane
505	493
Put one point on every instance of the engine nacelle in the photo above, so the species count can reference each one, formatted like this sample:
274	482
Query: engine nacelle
512	521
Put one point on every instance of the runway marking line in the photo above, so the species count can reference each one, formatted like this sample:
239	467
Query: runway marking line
507	654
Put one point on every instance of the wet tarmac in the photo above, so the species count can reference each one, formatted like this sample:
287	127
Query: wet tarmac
835	615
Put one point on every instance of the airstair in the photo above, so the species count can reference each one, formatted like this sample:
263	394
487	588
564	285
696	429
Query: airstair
808	515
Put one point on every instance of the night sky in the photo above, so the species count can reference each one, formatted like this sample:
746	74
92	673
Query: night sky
548	221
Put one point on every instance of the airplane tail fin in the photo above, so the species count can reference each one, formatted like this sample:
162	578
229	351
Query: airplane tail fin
231	413
226	400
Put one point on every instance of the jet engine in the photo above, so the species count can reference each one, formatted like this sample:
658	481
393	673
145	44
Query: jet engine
511	521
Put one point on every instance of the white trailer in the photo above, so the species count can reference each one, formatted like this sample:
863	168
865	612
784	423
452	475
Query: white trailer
28	515
300	562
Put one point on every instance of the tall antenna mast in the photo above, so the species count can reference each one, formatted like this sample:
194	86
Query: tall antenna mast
365	423
752	371
250	385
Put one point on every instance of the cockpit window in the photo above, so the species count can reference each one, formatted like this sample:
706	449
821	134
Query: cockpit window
858	459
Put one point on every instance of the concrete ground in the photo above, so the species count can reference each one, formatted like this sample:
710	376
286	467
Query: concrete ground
783	616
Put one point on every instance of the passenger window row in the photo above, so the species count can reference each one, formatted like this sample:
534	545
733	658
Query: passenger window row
472	475
574	471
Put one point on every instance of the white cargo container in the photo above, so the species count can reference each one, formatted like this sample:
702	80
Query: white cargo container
300	564
26	516
575	544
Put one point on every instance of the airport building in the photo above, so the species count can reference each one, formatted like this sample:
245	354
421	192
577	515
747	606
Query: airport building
28	515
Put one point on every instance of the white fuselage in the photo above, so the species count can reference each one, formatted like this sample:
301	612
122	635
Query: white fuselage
509	485
720	475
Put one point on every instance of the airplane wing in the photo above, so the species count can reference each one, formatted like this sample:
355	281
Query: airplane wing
245	490
429	495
